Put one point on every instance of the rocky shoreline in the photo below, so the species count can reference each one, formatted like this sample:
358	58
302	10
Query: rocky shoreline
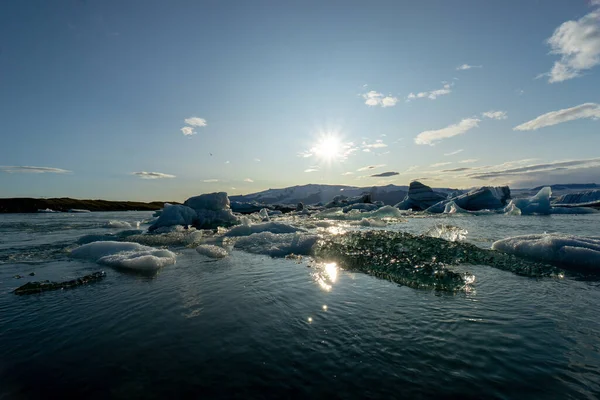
64	204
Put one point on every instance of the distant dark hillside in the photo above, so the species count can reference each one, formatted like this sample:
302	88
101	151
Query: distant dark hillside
29	205
567	186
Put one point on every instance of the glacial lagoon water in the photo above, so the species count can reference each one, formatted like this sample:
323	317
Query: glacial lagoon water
252	326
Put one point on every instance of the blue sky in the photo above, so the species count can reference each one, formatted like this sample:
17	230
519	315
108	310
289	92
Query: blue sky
94	95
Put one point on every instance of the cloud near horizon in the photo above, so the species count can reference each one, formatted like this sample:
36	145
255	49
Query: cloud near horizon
578	45
152	175
536	168
32	170
454	152
495	115
368	167
431	137
385	174
586	110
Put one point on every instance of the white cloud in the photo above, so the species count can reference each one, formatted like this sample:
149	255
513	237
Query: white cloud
227	162
440	164
587	110
469	161
257	159
467	66
32	170
453	152
374	98
412	168
495	114
153	175
312	169
187	131
347	173
195	121
433	94
368	167
430	137
377	145
210	180
578	45
538	168
248	180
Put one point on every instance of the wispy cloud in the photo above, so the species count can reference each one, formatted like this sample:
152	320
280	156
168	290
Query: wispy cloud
195	121
373	98
432	94
457	169
227	162
412	168
248	180
578	45
495	114
153	175
587	110
465	67
257	159
440	164
377	145
210	180
385	174
454	152
468	161
536	168
369	167
32	170
431	137
347	173
312	169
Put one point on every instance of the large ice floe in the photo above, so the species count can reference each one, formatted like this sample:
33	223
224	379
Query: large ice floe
206	211
418	261
580	199
353	215
563	250
125	255
540	205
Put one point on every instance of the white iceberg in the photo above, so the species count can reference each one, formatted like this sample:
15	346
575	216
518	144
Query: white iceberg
125	255
174	215
484	198
538	204
115	224
565	250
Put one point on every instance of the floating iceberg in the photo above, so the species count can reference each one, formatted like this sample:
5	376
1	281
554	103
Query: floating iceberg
47	211
273	227
344	201
538	204
420	197
206	211
125	255
212	251
277	245
484	198
580	199
78	210
563	250
353	215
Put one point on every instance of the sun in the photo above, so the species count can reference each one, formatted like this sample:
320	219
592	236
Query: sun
328	148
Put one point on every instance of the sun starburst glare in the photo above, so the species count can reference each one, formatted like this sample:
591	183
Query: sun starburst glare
328	148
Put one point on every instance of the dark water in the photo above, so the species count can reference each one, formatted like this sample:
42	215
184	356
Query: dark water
250	326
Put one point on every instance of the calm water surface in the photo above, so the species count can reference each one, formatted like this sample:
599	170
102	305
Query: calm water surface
253	326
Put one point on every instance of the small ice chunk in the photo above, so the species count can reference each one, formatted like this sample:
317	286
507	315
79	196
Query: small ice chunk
212	251
277	245
125	255
115	224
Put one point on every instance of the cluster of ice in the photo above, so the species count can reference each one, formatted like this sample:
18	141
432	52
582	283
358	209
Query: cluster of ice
564	250
249	229
108	236
205	212
448	232
125	255
212	251
352	215
277	245
175	236
344	201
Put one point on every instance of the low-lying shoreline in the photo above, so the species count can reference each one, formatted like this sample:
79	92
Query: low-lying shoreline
64	204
